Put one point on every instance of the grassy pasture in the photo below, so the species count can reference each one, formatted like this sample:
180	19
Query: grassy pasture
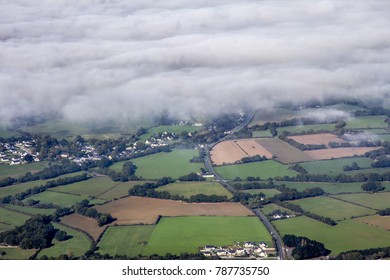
125	240
30	210
187	234
15	171
369	170
267	192
187	189
173	164
5	133
269	208
18	188
264	169
10	219
331	188
334	166
77	245
61	199
90	187
366	122
332	208
345	236
170	129
307	128
261	133
16	254
376	201
272	115
120	190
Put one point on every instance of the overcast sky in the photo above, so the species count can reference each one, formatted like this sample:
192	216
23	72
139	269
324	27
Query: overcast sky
119	59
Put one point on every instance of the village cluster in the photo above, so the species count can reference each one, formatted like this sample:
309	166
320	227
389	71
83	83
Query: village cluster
15	153
247	250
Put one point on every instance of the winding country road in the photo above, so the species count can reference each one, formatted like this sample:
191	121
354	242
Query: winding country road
209	167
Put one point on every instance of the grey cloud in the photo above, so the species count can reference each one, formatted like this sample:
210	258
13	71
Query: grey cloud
101	59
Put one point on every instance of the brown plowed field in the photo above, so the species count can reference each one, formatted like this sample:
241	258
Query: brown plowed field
339	152
83	223
317	139
377	221
144	210
283	151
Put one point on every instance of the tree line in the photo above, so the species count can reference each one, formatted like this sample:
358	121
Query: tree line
298	209
17	198
149	190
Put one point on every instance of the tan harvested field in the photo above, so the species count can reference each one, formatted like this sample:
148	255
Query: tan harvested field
253	148
338	152
85	224
317	139
226	152
377	221
143	210
283	151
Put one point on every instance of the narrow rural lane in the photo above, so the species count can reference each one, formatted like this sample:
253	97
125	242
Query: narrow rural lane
209	167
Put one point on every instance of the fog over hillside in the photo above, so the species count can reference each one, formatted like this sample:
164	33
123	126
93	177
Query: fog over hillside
94	60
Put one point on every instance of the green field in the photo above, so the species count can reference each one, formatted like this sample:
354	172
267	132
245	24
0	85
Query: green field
269	208
62	199
376	201
174	164
332	208
264	170
77	245
16	254
267	192
120	190
10	219
369	170
307	128
331	188
272	115
170	129
91	187
367	122
187	189
30	210
345	236
261	133
187	234
334	166
18	188
7	170
125	240
5	133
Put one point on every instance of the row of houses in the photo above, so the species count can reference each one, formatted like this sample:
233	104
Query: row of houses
247	250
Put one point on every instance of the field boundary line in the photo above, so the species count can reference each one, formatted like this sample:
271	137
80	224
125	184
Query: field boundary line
109	189
354	203
90	238
18	211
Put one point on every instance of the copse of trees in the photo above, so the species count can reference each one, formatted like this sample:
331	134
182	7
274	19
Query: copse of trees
381	163
192	177
354	166
367	254
385	212
372	187
251	159
305	248
83	208
36	233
